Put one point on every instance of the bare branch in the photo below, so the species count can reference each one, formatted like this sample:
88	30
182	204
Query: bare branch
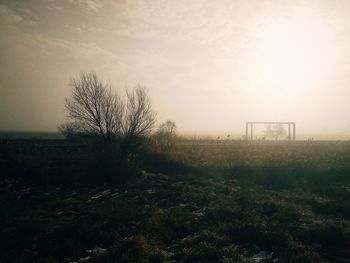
139	117
94	107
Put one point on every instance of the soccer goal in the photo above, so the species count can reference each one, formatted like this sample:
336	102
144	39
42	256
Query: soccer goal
274	130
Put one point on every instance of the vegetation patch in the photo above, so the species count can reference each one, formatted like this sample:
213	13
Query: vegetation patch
61	206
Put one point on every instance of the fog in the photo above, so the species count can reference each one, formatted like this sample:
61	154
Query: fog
209	66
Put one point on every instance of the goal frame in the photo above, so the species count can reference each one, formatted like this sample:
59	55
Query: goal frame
249	128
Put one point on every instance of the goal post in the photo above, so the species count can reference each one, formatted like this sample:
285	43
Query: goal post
249	128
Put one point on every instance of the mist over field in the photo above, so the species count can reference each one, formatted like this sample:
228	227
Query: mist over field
175	131
209	66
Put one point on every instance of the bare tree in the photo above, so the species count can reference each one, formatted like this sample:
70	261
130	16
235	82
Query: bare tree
276	132
165	136
167	128
139	117
94	107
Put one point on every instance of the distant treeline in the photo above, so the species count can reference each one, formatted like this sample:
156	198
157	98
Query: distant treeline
31	135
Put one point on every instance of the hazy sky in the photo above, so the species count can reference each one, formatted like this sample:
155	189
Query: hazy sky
210	66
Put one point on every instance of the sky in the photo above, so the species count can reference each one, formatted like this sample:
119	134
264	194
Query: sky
210	66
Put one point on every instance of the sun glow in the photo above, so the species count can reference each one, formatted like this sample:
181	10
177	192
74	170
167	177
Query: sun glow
295	52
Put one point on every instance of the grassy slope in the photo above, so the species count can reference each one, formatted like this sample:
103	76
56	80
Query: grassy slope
212	202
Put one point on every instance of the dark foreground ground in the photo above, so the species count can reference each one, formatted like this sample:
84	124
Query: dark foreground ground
198	202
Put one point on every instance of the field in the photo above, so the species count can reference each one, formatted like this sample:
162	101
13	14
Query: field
199	201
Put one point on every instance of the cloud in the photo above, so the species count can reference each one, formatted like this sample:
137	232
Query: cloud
78	53
89	6
9	15
224	25
16	17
